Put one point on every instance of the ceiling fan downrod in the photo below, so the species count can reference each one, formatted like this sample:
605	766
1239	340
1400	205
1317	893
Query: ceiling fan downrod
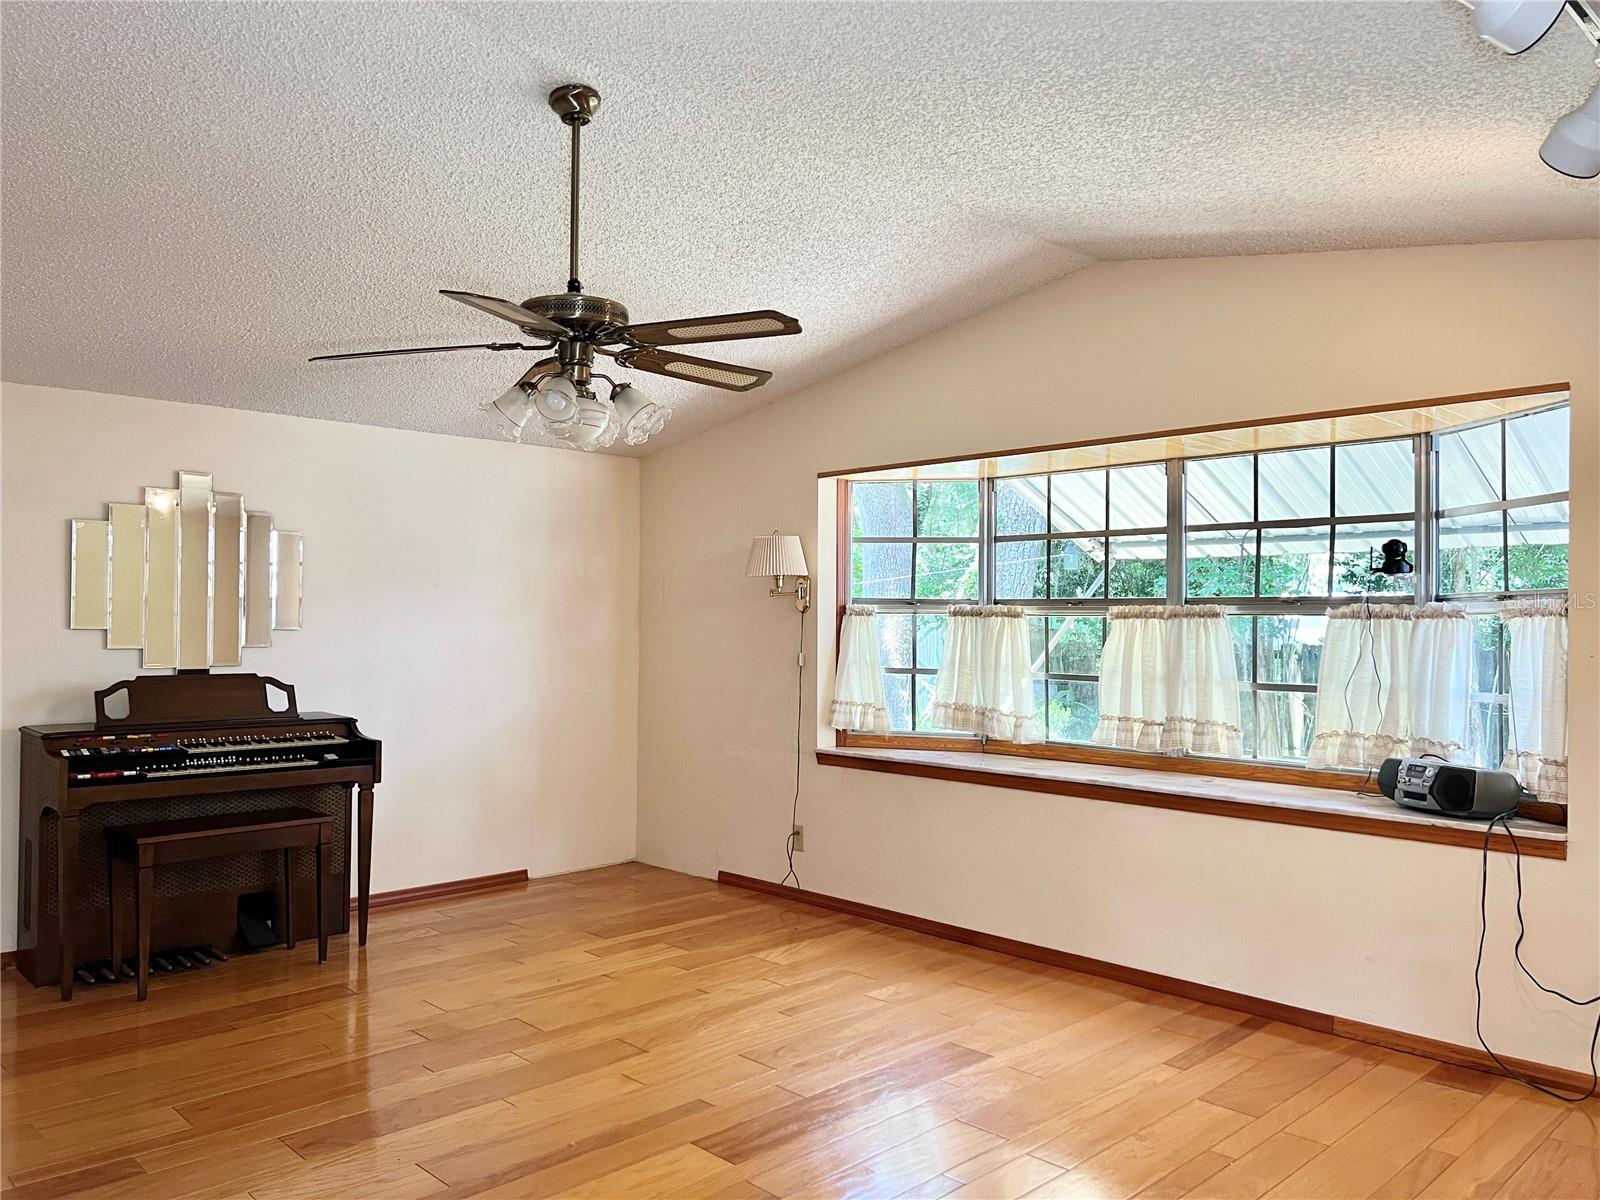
575	104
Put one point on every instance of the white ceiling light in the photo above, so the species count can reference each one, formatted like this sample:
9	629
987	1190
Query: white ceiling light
513	407
595	428
556	400
1573	147
1514	25
640	417
579	326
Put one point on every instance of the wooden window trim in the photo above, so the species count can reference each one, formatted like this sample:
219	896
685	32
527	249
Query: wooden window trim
1228	768
1464	834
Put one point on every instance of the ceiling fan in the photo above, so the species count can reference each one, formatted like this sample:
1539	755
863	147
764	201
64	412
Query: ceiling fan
556	395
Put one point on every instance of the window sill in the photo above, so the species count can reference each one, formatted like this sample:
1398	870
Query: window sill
1247	799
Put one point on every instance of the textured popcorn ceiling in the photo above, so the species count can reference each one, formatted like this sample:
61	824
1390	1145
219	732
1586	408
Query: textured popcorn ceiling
198	196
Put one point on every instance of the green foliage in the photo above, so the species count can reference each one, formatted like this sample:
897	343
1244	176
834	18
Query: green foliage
1537	566
947	571
1077	568
1073	711
1141	577
947	509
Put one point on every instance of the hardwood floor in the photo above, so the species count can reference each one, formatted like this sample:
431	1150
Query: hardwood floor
633	1032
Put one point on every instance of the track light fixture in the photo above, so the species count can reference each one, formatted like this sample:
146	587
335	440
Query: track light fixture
1514	25
1573	147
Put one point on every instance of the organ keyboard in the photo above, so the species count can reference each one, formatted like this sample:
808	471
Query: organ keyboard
189	744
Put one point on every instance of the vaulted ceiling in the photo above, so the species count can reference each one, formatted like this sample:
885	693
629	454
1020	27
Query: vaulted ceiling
199	196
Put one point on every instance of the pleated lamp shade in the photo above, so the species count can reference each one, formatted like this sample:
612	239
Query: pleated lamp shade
776	554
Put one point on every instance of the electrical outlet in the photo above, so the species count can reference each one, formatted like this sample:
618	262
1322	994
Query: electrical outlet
799	838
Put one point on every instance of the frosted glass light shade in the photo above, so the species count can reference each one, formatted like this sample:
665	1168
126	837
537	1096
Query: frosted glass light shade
556	400
640	417
1573	147
775	555
513	406
593	427
1514	25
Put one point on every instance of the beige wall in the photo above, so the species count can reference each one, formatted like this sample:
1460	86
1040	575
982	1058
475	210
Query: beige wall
1371	929
473	603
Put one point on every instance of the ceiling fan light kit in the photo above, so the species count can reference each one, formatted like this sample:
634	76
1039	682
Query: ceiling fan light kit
557	396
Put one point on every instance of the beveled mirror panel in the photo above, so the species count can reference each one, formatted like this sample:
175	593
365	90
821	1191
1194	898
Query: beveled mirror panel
189	577
195	514
260	582
161	577
89	606
127	577
290	565
227	608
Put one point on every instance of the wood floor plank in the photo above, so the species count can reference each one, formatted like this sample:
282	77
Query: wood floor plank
1556	1170
1125	1168
890	1172
746	1141
1360	1162
1408	1182
634	1032
1580	1126
1350	1106
1252	1176
1009	1180
1187	1177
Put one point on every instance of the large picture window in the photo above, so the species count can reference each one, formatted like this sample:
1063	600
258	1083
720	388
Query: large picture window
1278	538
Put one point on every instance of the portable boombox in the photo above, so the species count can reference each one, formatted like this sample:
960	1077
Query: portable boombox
1450	788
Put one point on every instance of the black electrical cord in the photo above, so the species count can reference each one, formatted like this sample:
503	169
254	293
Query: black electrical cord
1522	932
799	727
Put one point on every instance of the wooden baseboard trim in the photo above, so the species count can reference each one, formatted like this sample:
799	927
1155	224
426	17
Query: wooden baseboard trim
450	887
8	958
1393	1039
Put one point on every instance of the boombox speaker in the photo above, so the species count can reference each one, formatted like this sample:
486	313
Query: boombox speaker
1433	785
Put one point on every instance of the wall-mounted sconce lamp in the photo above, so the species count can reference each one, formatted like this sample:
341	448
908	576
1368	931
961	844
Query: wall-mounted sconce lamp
779	556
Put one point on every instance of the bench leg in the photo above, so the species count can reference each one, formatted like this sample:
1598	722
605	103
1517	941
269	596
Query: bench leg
324	870
288	899
144	902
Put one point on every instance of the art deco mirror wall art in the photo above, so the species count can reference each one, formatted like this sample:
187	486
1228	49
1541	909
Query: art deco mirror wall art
190	577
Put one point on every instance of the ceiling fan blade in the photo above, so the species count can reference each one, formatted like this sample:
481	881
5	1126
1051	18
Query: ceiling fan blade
728	327
695	370
508	311
423	350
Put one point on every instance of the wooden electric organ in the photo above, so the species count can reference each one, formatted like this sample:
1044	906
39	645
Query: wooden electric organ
190	745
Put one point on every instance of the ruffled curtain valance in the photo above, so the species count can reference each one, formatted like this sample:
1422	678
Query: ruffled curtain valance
858	700
1537	755
1168	682
1393	682
985	680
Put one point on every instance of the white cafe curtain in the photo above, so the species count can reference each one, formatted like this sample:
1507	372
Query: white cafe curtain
1168	682
1393	682
1537	754
858	701
985	680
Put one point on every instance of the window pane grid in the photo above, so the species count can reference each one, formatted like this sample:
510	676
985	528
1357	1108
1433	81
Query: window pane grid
1076	549
1276	545
1502	531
